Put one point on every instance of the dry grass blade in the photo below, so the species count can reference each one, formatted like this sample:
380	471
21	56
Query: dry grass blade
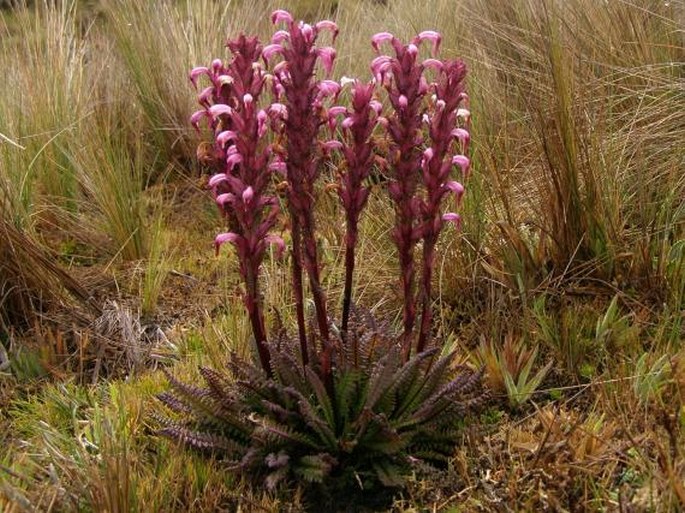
30	280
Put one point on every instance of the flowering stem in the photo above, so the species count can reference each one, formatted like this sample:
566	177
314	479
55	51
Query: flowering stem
297	286
426	292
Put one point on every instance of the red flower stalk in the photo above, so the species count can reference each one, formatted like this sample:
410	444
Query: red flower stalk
241	189
402	77
357	148
437	164
304	95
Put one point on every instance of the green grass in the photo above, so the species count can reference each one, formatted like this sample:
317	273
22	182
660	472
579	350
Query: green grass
573	247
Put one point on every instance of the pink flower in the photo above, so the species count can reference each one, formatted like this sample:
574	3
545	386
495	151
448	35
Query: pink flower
327	25
452	217
280	15
196	72
226	136
247	99
280	36
278	166
380	66
432	36
433	63
337	110
233	159
217	179
331	145
196	117
248	194
270	50
223	238
278	110
219	109
205	95
380	38
307	32
402	101
463	162
328	88
462	135
326	56
456	188
224	198
262	116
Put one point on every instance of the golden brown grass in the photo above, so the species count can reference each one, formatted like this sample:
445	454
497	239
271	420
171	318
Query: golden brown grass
573	245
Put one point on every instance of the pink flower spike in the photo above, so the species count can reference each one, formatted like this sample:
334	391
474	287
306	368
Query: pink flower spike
380	38
278	242
327	25
270	50
432	36
280	15
454	218
196	117
327	56
248	194
219	109
463	162
217	179
223	238
196	72
280	36
433	63
225	136
456	188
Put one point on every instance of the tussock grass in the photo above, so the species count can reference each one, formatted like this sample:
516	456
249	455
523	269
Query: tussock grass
572	249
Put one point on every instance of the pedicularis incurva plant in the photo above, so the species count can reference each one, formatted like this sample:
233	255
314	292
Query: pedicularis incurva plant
352	407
